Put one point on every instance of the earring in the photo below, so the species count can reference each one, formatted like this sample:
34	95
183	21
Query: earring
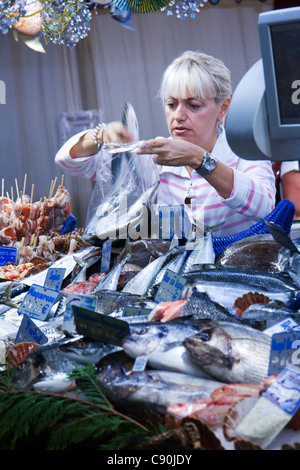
219	129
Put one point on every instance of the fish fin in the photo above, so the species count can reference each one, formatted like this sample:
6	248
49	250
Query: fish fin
280	236
33	42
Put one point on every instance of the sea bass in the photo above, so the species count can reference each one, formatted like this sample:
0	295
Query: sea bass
162	344
231	353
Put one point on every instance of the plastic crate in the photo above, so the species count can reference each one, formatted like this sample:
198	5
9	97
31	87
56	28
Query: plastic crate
282	214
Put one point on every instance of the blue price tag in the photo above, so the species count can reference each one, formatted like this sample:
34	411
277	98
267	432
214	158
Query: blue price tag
54	278
106	256
38	302
171	287
284	348
8	254
29	331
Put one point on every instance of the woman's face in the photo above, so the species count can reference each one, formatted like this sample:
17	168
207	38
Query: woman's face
194	119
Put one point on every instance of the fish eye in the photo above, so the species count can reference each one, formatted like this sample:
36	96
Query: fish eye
22	365
205	335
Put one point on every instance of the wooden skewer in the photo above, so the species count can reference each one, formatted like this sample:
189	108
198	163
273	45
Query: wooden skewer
53	183
17	188
31	196
62	180
2	192
24	184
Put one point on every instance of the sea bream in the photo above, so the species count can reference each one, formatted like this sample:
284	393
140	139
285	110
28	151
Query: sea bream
162	344
230	352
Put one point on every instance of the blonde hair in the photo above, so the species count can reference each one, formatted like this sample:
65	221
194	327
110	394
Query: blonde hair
202	75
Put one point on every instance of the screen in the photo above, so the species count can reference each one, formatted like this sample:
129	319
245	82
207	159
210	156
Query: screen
286	54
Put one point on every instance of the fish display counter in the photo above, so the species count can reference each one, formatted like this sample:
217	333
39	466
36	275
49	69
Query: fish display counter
187	354
150	344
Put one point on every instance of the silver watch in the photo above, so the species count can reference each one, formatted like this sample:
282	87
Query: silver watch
208	164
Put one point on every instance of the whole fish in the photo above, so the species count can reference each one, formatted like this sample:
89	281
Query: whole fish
120	222
259	252
201	307
110	281
162	344
142	282
201	252
157	389
271	313
276	282
58	357
231	353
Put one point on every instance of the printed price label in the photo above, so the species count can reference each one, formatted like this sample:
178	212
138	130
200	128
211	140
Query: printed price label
38	302
81	300
281	327
285	391
54	278
171	287
106	256
101	327
139	364
284	348
8	254
29	331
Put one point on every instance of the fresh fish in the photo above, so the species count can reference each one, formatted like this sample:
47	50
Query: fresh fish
162	344
56	383
110	281
120	221
271	313
9	290
84	263
142	282
157	389
281	236
226	294
109	301
276	282
202	252
259	252
201	307
175	265
231	353
61	356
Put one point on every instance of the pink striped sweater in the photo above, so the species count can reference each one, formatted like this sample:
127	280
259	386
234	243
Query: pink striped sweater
252	198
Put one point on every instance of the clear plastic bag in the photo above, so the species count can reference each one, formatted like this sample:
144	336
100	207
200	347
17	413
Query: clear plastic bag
124	191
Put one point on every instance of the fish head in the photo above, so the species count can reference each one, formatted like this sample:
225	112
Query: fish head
210	346
144	339
83	351
30	370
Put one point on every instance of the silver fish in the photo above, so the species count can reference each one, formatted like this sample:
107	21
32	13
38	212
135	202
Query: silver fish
276	282
231	353
158	389
143	280
61	356
113	227
9	290
162	344
110	281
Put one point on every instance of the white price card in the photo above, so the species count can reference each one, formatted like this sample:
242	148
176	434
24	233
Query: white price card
38	302
171	287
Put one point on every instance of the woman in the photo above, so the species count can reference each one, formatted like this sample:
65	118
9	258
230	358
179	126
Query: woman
196	165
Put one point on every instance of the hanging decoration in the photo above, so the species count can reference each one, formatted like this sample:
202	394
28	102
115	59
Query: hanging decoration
66	22
184	8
